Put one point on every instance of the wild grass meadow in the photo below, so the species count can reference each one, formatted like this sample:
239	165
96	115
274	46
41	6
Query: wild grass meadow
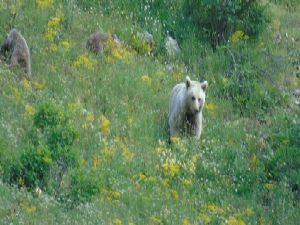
86	140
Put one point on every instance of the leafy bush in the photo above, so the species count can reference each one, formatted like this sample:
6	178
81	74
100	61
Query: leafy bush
245	83
49	153
32	168
284	160
84	185
217	20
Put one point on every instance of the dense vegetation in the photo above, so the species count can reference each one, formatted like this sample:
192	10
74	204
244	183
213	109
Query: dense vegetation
86	140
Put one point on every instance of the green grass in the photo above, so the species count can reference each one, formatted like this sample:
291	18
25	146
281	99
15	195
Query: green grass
244	170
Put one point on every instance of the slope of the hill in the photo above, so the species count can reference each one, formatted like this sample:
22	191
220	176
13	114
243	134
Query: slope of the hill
110	126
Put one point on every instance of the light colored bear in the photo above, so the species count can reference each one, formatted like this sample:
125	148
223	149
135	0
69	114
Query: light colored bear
185	110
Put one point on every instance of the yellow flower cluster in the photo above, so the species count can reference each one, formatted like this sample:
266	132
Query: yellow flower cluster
113	196
171	168
37	85
117	221
30	209
215	209
84	61
89	117
146	79
141	45
186	222
117	52
187	182
104	125
123	146
174	194
238	36
211	107
45	4
29	110
16	93
66	44
96	161
26	85
234	221
155	220
53	25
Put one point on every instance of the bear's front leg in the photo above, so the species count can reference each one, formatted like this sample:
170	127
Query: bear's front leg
196	126
175	124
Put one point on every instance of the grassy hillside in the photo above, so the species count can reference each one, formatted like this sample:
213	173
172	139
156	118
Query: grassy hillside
86	140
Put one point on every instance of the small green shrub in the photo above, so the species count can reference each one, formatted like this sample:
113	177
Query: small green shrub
50	152
48	115
84	185
245	83
31	170
284	159
219	19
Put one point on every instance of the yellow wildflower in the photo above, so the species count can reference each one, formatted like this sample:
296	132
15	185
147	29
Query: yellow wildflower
16	93
26	85
85	61
52	48
177	76
237	36
117	140
249	212
117	222
155	220
108	152
175	140
215	209
165	182
54	22
171	168
45	4
29	110
205	218
30	209
66	44
174	194
187	182
47	160
73	106
104	125
113	195
89	117
128	155
38	86
146	79
21	182
234	221
50	34
95	163
225	81
142	176
211	106
186	222
130	120
269	186
254	162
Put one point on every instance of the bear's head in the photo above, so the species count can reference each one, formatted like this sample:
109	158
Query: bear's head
195	95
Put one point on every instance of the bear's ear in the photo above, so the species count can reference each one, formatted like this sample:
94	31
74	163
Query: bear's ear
204	85
188	81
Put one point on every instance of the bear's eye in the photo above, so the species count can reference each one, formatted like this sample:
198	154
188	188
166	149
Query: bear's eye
193	98
199	99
